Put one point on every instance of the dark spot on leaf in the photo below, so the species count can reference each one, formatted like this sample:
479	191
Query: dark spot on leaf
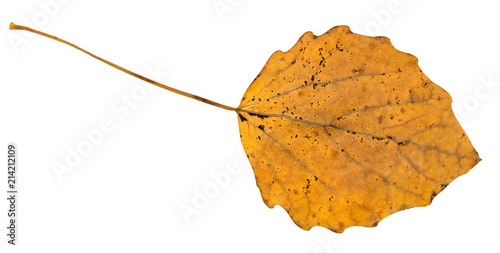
258	115
243	119
433	195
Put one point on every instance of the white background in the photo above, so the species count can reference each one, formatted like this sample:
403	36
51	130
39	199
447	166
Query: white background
125	194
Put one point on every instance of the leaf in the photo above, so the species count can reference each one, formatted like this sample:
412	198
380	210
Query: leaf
343	130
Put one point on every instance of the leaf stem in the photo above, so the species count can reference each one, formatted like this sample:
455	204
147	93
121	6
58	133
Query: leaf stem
13	26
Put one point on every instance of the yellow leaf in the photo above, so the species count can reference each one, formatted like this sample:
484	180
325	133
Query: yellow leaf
343	130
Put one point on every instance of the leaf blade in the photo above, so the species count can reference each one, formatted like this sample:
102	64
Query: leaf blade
339	128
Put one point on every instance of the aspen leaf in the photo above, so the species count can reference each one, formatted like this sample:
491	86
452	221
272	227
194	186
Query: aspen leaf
343	130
